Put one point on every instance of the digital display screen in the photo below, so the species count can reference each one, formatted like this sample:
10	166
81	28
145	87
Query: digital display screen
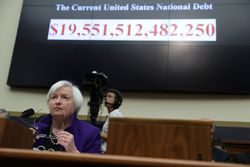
140	45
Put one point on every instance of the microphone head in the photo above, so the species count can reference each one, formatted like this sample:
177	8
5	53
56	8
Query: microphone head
27	113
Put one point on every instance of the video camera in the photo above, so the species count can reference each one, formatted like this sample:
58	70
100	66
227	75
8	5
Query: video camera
96	84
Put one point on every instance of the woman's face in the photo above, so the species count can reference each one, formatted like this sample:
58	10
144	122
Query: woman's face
109	99
61	102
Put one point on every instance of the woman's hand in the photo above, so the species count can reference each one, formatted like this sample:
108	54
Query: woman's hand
66	139
34	132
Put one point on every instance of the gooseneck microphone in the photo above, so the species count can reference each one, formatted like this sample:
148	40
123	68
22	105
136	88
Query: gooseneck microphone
27	113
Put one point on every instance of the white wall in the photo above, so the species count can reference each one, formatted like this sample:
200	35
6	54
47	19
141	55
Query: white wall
158	105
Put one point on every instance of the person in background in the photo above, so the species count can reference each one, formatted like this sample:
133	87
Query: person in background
112	101
219	152
242	158
61	130
4	113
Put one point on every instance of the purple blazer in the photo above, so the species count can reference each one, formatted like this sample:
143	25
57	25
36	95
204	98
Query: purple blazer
86	136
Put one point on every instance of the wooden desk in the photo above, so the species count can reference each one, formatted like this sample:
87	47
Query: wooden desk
14	135
162	138
236	139
30	158
236	146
